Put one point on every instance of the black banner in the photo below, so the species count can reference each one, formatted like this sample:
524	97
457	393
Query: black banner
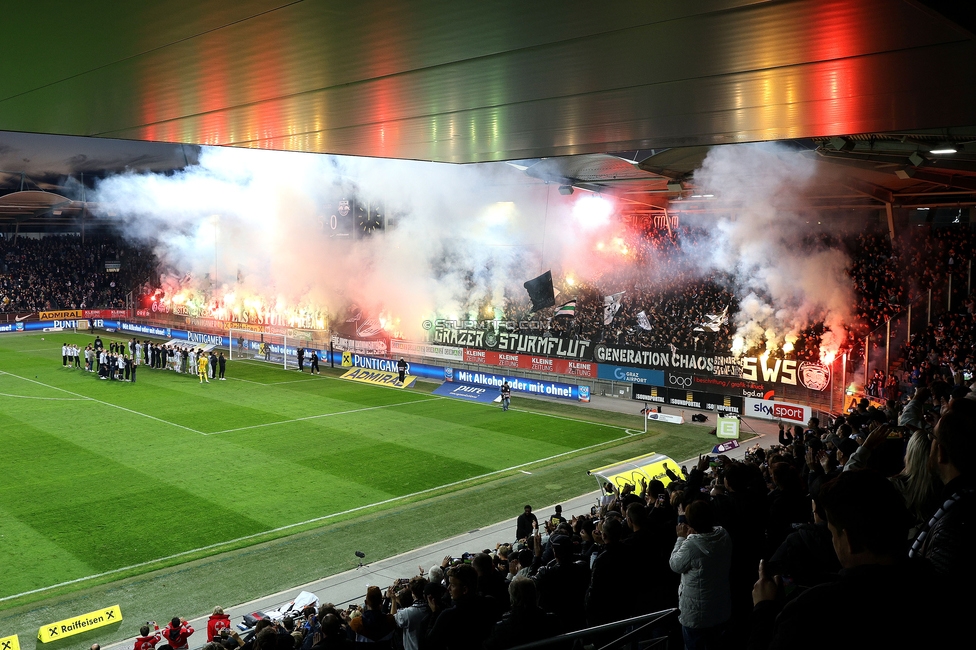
666	359
687	399
548	346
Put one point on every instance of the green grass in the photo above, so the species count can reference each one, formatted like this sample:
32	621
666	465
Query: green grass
107	484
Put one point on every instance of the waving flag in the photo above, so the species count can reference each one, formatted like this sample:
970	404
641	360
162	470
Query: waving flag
643	321
540	291
569	309
611	305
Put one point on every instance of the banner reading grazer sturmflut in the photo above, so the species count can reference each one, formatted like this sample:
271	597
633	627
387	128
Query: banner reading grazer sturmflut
379	378
78	624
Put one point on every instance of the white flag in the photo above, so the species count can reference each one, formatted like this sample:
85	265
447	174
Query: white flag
643	321
611	305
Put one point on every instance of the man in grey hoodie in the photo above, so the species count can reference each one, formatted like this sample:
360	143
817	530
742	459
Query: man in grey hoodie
702	555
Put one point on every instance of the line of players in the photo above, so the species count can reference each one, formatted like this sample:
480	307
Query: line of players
120	361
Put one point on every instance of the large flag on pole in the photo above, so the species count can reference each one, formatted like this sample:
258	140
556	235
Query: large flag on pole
569	309
611	305
540	291
643	321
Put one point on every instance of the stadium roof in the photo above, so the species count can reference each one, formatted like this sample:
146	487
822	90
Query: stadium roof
472	82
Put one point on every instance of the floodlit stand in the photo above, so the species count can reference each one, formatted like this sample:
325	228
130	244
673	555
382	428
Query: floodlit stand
245	344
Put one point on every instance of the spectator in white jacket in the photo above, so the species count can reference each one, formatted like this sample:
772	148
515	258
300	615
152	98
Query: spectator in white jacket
702	555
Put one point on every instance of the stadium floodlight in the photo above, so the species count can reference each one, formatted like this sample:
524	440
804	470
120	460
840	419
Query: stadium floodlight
592	211
258	346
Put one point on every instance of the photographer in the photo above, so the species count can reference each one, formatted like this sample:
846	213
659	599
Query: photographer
177	633
410	616
372	625
145	640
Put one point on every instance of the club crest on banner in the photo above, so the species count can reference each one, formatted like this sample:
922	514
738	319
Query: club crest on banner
813	375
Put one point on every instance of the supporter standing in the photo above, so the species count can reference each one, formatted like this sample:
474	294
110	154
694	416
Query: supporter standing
703	556
506	392
868	522
562	584
612	594
145	640
177	633
314	368
526	524
218	621
525	621
410	620
468	622
948	539
373	626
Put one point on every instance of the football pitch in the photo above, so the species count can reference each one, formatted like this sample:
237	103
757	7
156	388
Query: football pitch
100	479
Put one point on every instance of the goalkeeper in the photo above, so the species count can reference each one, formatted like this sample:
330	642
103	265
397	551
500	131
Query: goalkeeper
202	364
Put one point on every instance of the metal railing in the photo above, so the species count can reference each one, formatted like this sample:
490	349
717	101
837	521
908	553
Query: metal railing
637	629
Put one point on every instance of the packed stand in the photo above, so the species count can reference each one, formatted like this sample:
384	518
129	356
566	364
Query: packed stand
61	272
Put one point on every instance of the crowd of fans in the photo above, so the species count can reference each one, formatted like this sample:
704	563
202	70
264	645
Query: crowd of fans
668	306
61	272
667	298
837	534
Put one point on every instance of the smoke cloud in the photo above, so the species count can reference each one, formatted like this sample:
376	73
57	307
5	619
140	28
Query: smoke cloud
256	223
787	279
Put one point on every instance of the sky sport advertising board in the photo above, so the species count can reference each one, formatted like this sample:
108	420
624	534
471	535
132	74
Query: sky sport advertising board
765	409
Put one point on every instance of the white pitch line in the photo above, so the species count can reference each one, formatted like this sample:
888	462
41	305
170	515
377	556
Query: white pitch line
323	415
314	520
116	406
247	380
56	399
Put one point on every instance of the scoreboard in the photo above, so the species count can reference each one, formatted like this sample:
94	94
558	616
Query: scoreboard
350	217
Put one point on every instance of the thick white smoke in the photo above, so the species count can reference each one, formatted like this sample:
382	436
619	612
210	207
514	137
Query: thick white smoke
787	280
257	223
